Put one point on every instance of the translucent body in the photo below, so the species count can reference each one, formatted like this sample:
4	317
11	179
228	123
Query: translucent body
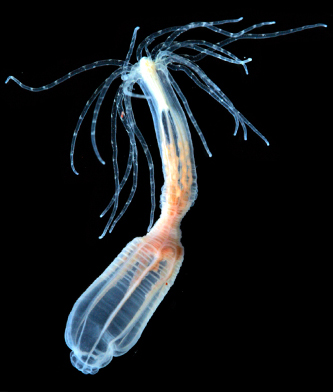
109	317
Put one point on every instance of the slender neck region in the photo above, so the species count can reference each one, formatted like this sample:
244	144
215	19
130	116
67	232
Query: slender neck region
174	140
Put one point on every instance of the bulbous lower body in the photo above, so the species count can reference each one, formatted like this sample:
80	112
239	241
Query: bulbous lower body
110	316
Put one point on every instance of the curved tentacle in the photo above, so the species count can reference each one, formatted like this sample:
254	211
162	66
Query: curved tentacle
115	199
138	134
212	89
79	122
84	68
190	114
99	102
177	31
110	226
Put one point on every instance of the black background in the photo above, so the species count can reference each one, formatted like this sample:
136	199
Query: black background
239	310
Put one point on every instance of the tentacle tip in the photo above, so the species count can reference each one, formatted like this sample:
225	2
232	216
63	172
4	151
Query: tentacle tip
103	234
210	154
75	171
8	79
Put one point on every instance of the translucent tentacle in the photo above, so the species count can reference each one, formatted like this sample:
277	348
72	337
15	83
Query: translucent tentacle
190	114
135	167
79	122
129	53
240	33
127	118
212	89
123	180
118	97
256	36
84	68
173	46
179	29
138	134
209	25
284	32
130	156
195	45
223	100
99	102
